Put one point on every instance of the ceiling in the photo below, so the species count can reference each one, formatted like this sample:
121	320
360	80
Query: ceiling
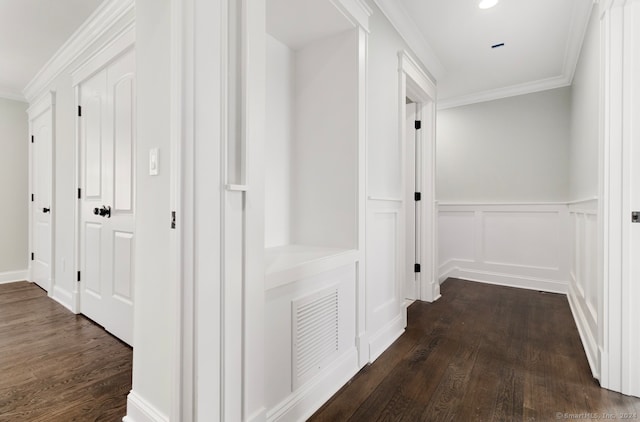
31	31
542	41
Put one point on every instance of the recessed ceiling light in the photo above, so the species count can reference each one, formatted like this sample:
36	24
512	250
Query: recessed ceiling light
487	4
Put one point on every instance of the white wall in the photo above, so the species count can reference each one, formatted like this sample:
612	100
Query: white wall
510	150
279	134
325	159
14	186
585	286
385	231
585	117
155	312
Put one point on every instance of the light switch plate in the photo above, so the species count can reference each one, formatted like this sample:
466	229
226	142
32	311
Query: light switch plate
154	163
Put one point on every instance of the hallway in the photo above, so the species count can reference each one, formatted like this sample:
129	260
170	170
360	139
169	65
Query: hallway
481	353
57	366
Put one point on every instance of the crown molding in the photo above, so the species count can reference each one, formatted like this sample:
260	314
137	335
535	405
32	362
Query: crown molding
408	30
8	95
509	91
356	11
577	32
100	21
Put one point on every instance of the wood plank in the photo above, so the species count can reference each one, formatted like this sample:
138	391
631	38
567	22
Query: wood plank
480	353
57	366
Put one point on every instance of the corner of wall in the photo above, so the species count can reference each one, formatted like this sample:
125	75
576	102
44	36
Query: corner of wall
139	410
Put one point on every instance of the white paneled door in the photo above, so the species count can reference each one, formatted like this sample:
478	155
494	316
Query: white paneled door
41	201
107	225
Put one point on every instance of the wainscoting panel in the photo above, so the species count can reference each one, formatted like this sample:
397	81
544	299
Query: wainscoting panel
518	245
584	283
385	274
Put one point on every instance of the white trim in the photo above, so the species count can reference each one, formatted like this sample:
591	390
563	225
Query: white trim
140	410
63	297
81	41
8	95
409	31
504	204
505	92
237	188
577	32
181	373
588	340
421	89
385	199
361	277
356	11
385	337
508	280
303	402
582	201
119	45
14	276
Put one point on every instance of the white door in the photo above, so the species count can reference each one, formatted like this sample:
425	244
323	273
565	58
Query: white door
41	186
107	231
412	209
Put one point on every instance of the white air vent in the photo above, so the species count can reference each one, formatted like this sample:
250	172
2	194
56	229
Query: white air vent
315	334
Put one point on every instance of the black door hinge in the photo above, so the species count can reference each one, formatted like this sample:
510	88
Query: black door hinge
418	124
78	275
32	197
79	111
79	193
417	196
173	220
33	256
32	138
416	268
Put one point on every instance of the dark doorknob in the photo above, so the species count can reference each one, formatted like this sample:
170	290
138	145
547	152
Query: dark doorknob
105	211
96	211
46	210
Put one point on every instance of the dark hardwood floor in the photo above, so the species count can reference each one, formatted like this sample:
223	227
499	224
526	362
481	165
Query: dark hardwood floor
57	366
481	353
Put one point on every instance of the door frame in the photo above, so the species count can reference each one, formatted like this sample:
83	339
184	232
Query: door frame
413	224
120	45
618	237
420	88
46	102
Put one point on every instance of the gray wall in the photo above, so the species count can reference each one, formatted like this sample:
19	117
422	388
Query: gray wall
509	150
585	116
14	186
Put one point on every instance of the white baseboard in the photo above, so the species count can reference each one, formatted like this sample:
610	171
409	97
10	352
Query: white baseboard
588	340
63	297
139	410
13	276
381	340
303	402
508	280
433	289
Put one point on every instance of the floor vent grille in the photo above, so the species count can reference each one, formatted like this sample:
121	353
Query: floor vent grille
315	334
